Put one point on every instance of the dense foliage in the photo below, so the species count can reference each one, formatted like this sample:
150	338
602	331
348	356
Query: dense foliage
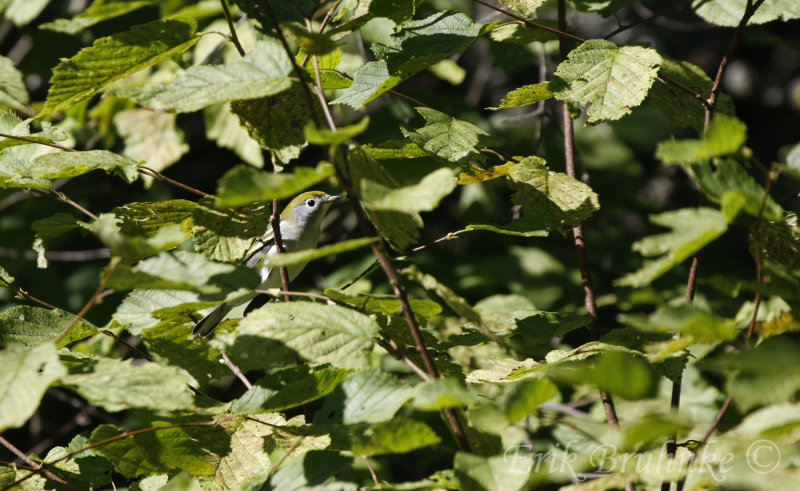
568	257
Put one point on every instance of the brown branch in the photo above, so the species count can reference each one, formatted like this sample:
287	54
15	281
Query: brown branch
561	31
676	8
371	470
27	295
236	370
299	72
36	466
749	10
161	177
234	37
112	267
577	231
33	140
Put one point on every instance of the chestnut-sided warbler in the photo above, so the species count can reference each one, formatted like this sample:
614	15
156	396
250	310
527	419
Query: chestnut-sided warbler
300	224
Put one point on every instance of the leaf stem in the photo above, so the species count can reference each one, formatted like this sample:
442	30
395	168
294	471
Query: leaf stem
37	467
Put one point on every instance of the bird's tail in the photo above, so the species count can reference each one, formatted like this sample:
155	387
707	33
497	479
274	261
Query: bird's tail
205	327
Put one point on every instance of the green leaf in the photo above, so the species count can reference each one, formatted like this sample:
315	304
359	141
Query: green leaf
524	397
277	122
441	393
13	92
692	229
729	184
525	96
111	58
766	374
620	373
12	125
152	137
522	35
28	327
385	304
550	200
607	78
327	63
137	311
400	228
778	241
603	7
447	137
98	11
476	473
25	377
4	276
53	226
371	396
304	256
540	327
238	448
313	332
399	435
725	136
16	155
262	72
225	234
69	164
525	7
151	452
678	105
395	149
424	196
309	470
686	325
324	136
312	42
420	44
244	185
289	387
184	270
132	248
148	218
21	12
398	11
730	12
168	343
223	128
117	385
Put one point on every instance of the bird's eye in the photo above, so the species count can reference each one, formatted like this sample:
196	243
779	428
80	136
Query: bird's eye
311	203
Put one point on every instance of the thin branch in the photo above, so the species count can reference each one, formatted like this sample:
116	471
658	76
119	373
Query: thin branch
391	347
90	303
371	470
299	72
236	370
33	140
65	256
577	231
27	295
63	197
234	37
676	8
161	177
37	466
749	10
561	31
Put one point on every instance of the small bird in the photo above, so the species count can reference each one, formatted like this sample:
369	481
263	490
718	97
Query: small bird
300	225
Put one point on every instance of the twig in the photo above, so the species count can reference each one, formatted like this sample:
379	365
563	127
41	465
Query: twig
37	466
236	370
299	72
379	250
234	37
561	31
63	197
33	140
371	470
676	8
27	295
749	10
577	231
391	347
161	177
112	267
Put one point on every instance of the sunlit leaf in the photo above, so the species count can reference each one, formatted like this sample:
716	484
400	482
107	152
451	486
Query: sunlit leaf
152	137
424	196
244	185
692	229
724	136
490	473
304	256
13	93
98	11
371	396
25	377
261	73
447	137
729	12
290	387
324	136
313	332
31	326
525	96
114	57
607	78
438	394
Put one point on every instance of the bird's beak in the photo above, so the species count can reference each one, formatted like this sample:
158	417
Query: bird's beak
331	199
